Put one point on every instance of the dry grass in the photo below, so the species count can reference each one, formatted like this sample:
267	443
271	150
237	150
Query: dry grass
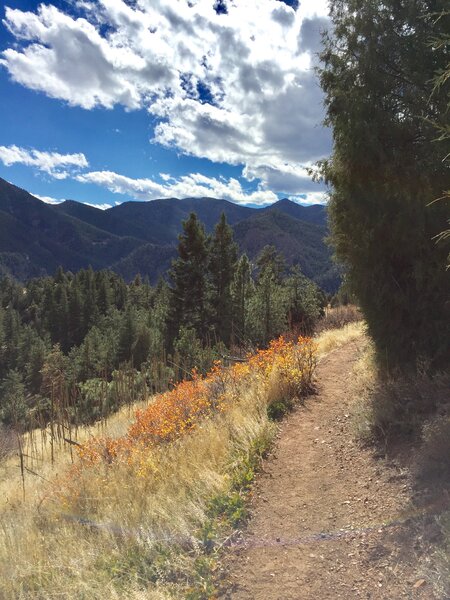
441	573
389	407
127	530
338	317
129	535
432	472
36	448
364	380
331	339
152	534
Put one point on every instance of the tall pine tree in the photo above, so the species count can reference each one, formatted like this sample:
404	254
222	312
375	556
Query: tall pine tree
222	264
189	291
268	313
242	289
386	169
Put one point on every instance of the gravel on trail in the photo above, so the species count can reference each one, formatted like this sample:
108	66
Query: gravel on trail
329	519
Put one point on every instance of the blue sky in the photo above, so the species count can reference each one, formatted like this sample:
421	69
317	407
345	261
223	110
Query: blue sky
105	101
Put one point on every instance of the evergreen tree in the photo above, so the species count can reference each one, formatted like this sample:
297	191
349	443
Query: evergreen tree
75	322
141	346
11	332
34	365
120	293
241	290
269	258
158	317
60	277
268	307
32	350
127	336
188	350
305	301
222	263
441	82
386	169
10	292
49	310
91	311
61	316
189	291
55	385
104	293
13	407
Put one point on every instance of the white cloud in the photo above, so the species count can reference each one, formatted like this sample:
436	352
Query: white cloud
99	206
48	199
54	201
287	177
186	186
54	164
235	87
310	198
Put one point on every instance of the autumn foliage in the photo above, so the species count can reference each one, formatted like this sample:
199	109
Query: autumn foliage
148	504
182	409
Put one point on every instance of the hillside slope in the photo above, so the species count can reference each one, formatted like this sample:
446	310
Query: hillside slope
158	221
301	243
141	237
36	238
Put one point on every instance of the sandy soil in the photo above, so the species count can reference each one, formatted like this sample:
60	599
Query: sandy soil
330	519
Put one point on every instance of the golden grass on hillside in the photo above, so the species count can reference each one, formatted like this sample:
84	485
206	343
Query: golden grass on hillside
36	449
331	339
145	520
111	538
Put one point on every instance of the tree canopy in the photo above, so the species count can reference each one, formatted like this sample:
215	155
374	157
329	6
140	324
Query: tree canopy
386	169
81	344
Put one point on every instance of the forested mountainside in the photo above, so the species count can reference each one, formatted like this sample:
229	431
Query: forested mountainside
141	237
104	342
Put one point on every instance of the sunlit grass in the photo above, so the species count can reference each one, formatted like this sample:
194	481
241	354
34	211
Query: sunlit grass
147	522
331	339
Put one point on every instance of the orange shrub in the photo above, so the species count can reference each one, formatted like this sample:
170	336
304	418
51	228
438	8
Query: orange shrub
181	409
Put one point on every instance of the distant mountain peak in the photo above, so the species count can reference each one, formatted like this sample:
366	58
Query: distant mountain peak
141	237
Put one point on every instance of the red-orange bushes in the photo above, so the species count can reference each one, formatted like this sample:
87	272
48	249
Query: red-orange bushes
295	362
172	413
181	409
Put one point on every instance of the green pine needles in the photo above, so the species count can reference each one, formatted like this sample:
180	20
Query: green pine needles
378	70
77	346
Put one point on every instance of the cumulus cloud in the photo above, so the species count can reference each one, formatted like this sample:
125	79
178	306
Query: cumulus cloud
54	201
310	198
48	199
283	176
186	186
103	206
57	165
310	35
227	81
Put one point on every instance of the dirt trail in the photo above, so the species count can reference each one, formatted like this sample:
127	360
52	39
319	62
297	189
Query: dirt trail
327	515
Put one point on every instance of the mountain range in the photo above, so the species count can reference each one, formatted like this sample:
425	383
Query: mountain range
141	237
